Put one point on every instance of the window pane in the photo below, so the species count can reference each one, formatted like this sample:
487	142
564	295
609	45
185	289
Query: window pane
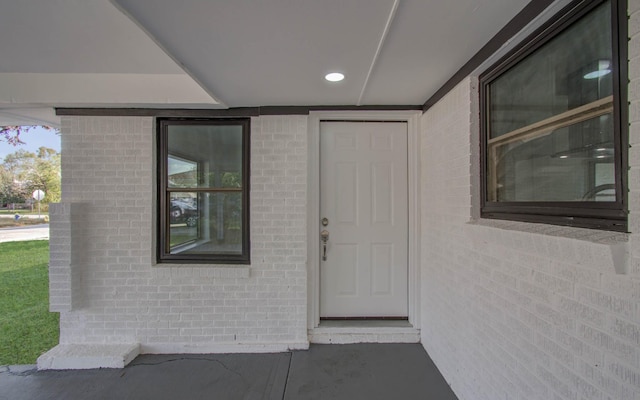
212	224
182	172
204	156
575	163
183	218
571	70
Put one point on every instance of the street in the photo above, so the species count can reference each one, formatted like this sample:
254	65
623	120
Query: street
32	232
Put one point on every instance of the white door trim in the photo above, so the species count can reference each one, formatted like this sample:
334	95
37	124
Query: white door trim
313	204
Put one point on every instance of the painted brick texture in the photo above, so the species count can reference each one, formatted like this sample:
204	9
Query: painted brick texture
108	173
524	311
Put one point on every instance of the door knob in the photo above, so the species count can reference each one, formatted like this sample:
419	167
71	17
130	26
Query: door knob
324	236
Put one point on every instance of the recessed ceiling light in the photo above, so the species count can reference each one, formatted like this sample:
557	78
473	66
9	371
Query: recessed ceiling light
603	68
564	156
600	149
597	74
601	156
334	77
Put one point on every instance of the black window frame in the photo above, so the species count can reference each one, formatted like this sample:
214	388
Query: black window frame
163	249
597	215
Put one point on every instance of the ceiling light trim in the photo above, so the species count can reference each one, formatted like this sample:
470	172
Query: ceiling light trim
374	61
334	77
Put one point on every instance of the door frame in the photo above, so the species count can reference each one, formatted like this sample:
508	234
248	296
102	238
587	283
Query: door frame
313	204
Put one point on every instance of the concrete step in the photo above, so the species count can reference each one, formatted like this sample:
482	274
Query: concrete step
356	332
88	356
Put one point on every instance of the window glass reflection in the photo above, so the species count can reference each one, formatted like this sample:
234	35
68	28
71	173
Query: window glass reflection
206	223
207	156
571	70
550	120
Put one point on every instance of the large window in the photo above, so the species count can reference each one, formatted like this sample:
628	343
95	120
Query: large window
203	191
553	130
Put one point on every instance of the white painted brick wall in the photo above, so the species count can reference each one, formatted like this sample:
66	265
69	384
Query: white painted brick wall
108	167
525	311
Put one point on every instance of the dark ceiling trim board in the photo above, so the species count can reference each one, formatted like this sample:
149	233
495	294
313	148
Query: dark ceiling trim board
292	110
159	112
524	17
231	112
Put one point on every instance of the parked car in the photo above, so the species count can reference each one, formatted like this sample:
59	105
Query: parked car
183	212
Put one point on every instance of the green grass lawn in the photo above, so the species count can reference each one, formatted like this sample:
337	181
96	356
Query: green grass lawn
22	212
27	328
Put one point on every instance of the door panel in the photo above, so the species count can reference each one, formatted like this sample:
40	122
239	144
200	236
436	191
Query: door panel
381	193
346	195
363	194
347	277
381	271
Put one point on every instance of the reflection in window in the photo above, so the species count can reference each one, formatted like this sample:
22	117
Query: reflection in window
205	190
551	117
551	129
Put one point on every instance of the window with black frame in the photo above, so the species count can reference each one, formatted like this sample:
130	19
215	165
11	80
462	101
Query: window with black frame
203	191
552	126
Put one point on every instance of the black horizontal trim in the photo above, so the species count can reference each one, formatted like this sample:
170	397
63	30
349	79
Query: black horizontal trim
617	225
522	19
303	110
204	259
204	190
160	112
358	121
364	318
229	112
593	209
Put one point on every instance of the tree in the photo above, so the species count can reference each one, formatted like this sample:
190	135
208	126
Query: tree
45	174
10	190
22	172
11	134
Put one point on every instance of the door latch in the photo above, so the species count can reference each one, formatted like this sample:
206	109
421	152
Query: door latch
324	236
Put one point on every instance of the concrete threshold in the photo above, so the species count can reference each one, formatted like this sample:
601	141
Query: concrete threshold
363	331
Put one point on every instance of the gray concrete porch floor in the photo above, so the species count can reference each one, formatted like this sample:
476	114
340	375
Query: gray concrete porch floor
355	371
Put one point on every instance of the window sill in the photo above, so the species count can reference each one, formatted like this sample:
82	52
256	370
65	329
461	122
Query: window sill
569	232
605	250
205	270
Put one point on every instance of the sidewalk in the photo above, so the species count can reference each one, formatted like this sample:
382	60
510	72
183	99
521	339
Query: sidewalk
29	232
360	371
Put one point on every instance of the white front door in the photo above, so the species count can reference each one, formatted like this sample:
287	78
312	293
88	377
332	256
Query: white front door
363	201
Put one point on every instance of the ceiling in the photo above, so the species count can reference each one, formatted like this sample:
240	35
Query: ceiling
219	54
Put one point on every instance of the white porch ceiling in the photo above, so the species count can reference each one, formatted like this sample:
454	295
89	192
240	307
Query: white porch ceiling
216	54
276	52
83	53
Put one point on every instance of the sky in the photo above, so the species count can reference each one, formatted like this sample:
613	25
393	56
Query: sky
33	139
